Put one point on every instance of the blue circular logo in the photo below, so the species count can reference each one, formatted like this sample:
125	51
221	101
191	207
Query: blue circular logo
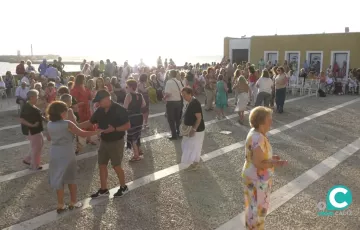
338	198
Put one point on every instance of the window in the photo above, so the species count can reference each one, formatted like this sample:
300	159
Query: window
272	57
339	63
293	60
314	61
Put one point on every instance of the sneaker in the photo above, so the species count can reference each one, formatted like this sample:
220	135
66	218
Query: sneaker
100	193
122	191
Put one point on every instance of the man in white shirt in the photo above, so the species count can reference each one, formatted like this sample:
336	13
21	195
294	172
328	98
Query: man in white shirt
21	93
174	103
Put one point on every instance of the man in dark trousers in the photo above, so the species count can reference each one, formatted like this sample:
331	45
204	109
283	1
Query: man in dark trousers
113	119
174	103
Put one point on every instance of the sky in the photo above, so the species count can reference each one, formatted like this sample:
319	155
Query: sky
144	28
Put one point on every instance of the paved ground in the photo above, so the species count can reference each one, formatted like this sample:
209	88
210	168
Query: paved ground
163	196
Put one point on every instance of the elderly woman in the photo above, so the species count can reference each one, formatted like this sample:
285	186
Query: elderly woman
31	126
258	168
29	67
281	81
134	101
192	129
62	165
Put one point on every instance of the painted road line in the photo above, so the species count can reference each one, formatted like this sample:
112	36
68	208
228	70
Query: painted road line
278	130
150	116
51	216
149	138
294	187
25	172
9	127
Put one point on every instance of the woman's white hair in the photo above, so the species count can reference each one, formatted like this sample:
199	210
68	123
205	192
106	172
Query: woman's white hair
38	84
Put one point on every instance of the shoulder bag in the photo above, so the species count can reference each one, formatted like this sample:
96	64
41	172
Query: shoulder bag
184	129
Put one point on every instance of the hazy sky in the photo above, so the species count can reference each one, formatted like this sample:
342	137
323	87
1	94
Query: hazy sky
159	27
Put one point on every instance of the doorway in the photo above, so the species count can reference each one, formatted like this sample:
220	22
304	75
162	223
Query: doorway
271	56
340	63
315	61
240	56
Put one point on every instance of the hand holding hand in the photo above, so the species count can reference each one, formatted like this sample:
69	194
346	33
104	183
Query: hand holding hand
99	131
36	124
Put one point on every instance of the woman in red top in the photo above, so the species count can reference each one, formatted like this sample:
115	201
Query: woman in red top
83	97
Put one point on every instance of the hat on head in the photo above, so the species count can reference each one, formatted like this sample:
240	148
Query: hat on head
101	94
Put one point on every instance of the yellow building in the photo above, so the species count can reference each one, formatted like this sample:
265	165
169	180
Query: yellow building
321	49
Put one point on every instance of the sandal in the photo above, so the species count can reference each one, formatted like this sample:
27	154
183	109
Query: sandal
25	162
135	159
63	209
77	205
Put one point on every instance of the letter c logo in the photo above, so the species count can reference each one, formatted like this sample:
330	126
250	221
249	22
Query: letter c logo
339	198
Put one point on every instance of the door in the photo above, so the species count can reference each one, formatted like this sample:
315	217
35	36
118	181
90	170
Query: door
293	61
273	57
341	59
240	55
315	62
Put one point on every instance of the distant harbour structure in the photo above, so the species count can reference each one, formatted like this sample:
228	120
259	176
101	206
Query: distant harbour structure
32	54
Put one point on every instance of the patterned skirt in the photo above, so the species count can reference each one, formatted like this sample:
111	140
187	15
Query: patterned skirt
257	202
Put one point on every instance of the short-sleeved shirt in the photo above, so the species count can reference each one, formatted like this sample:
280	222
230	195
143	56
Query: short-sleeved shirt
189	117
173	87
32	115
280	81
255	139
265	84
116	116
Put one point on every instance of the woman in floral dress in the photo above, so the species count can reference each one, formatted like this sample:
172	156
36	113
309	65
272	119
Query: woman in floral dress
258	168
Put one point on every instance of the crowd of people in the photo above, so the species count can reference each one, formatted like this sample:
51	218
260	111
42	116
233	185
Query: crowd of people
112	105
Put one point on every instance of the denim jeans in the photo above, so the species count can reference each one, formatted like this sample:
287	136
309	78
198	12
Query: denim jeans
280	99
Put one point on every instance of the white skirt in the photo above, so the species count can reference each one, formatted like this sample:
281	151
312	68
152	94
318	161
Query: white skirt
191	148
242	101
